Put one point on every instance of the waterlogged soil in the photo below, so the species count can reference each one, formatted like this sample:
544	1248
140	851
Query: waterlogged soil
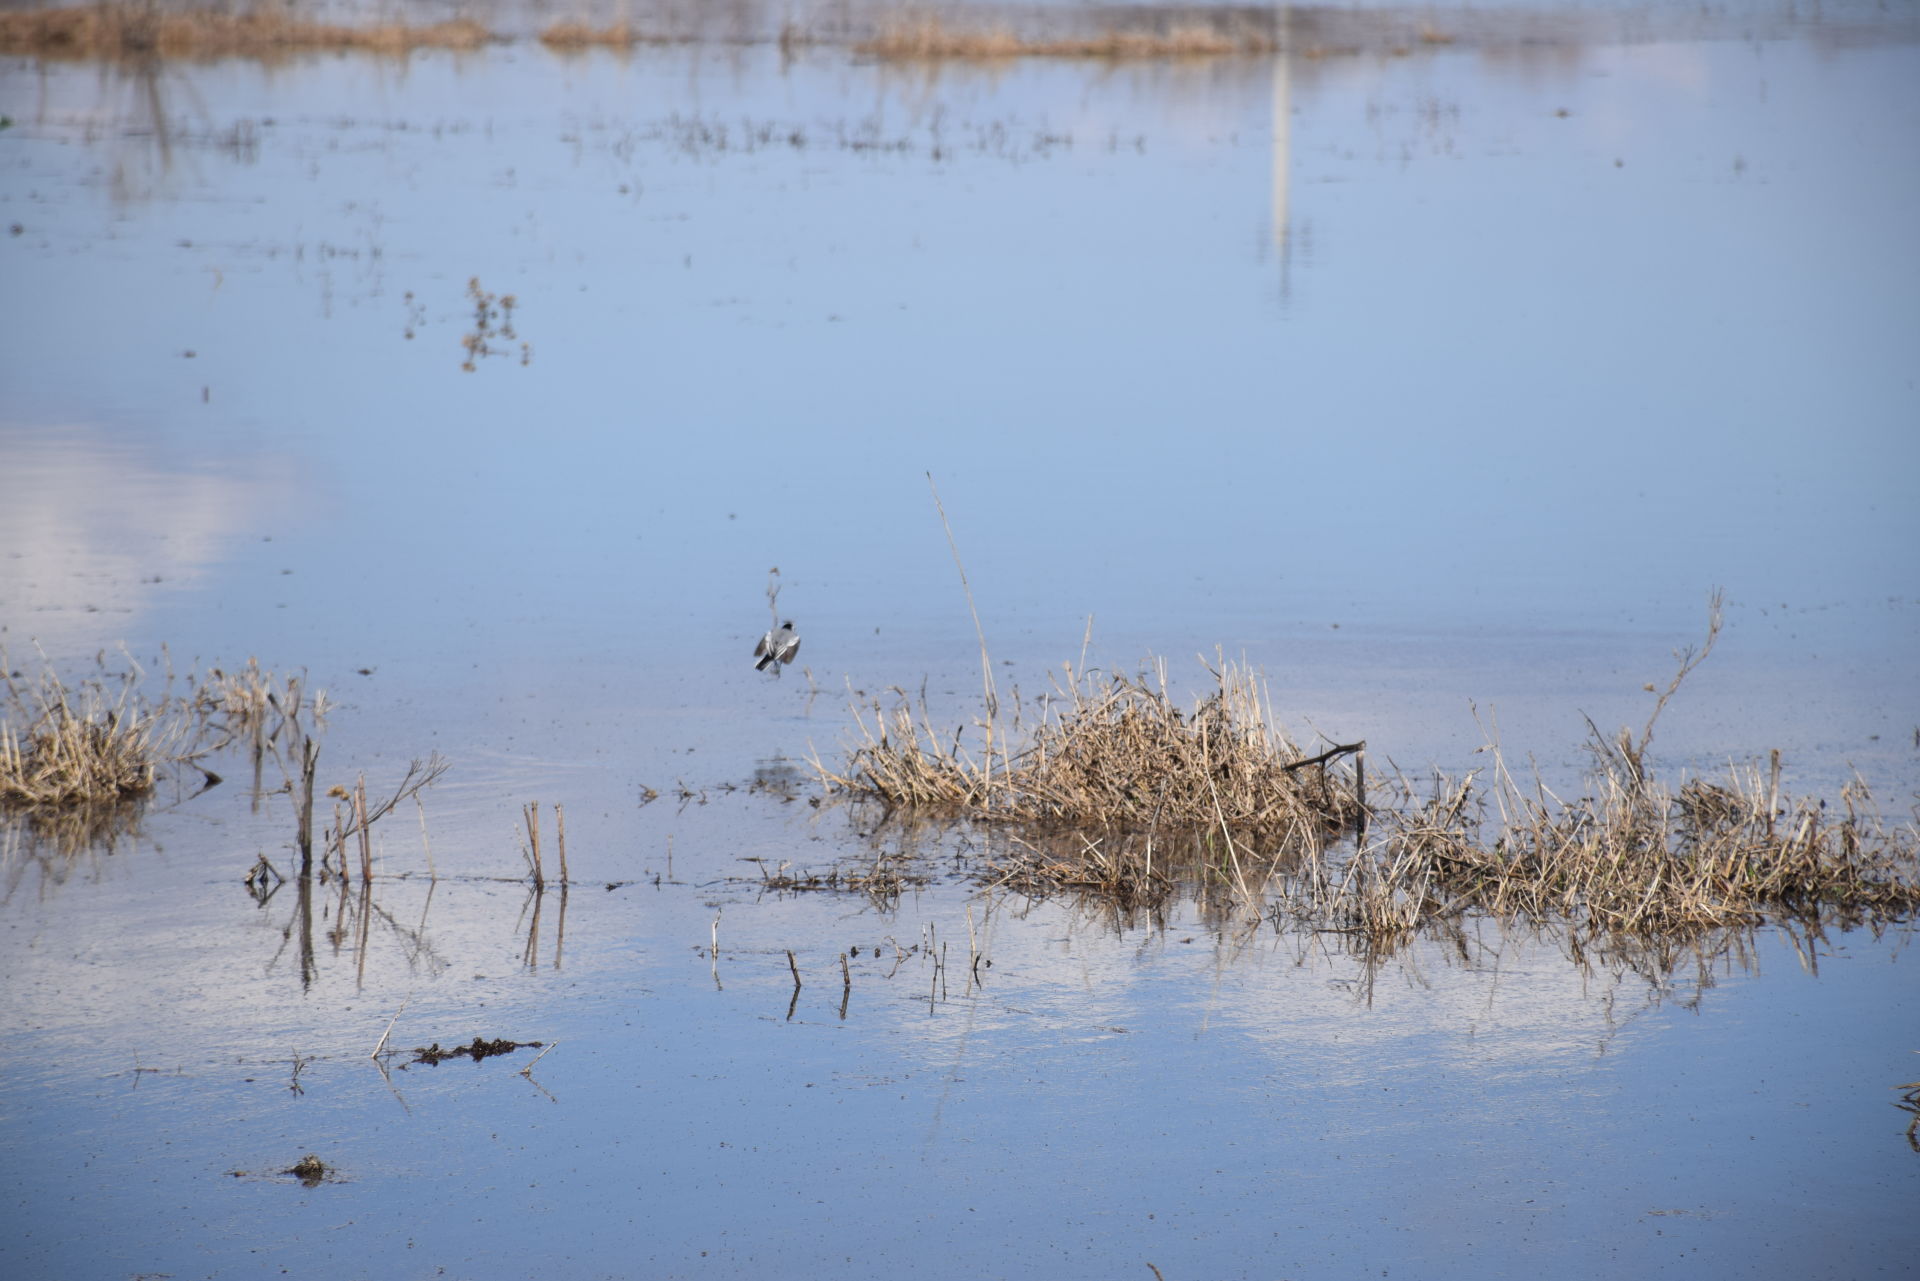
487	389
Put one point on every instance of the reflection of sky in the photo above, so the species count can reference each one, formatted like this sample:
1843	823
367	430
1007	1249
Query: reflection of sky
1520	387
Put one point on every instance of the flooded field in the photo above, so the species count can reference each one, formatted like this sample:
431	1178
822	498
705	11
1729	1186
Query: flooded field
1434	365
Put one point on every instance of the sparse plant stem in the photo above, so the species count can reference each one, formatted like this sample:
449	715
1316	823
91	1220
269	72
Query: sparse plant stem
309	762
1773	790
382	1043
531	812
363	827
988	689
426	844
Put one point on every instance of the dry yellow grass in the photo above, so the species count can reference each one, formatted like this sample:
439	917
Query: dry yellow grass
1113	755
928	37
92	745
114	30
1126	798
570	35
102	740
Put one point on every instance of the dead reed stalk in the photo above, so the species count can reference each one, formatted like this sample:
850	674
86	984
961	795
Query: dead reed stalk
531	813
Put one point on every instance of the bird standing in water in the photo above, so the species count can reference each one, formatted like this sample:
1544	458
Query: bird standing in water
777	646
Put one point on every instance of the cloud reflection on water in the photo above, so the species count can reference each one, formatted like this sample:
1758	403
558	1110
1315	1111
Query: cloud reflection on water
98	527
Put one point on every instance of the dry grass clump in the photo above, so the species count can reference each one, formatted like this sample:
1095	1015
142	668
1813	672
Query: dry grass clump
76	758
91	745
113	30
927	37
1637	856
1128	798
1120	755
250	700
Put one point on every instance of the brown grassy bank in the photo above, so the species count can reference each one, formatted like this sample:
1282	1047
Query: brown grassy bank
133	28
118	30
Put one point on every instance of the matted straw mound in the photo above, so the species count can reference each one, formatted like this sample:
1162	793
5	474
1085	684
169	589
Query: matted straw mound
60	748
1119	755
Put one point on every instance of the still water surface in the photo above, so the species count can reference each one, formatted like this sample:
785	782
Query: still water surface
1430	384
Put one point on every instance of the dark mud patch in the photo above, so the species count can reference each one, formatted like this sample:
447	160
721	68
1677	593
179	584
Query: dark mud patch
309	1169
479	1049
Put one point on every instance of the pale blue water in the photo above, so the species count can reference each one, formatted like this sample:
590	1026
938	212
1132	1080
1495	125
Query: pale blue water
1499	391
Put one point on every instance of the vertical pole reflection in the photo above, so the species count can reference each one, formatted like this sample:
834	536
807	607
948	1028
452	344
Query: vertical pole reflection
1282	131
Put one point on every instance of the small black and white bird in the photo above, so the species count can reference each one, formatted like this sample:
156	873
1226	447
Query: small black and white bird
777	646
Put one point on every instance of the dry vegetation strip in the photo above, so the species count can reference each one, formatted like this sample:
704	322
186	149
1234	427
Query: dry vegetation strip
569	36
927	37
131	30
1122	795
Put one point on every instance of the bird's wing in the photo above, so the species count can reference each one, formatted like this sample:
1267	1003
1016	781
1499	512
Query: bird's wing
764	644
791	648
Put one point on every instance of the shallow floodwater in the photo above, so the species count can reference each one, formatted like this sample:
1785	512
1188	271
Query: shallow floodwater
1441	386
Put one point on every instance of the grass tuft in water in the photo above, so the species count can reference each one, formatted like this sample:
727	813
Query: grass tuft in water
1114	754
1125	797
91	745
